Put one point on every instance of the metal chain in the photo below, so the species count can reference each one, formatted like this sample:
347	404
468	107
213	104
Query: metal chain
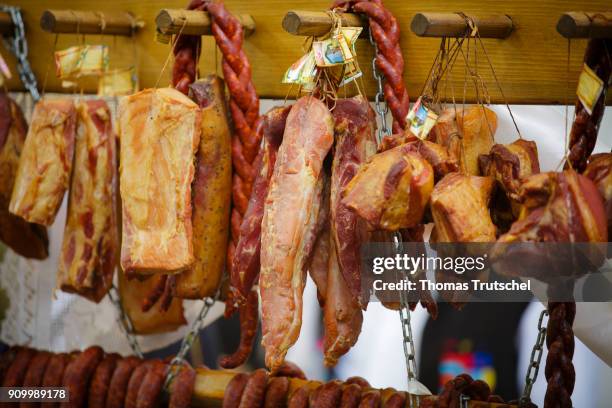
408	338
534	361
189	338
18	45
124	321
382	111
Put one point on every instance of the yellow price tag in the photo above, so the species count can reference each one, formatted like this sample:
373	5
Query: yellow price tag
590	87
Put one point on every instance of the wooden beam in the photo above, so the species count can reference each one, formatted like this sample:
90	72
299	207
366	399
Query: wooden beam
456	25
317	23
210	386
193	22
89	22
580	24
6	24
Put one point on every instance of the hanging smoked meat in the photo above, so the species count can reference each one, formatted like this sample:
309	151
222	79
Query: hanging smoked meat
391	190
91	244
599	170
510	164
46	162
160	317
466	133
559	207
289	224
27	239
355	125
459	206
159	131
211	194
246	262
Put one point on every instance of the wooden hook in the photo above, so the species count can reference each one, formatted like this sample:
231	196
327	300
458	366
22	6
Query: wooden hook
457	25
580	24
89	22
194	22
317	23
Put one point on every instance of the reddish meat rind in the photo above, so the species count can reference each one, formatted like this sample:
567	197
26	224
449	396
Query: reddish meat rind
182	388
299	398
117	388
289	369
78	374
136	379
351	396
249	316
152	385
34	375
98	389
370	399
328	395
276	393
583	135
233	391
254	390
245	267
54	374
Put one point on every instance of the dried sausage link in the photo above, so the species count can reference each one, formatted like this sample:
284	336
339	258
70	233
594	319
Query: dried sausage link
233	391
370	399
152	385
389	60
276	392
255	389
100	381
17	371
77	375
289	369
136	379
351	396
299	398
54	375
35	373
328	395
117	388
182	388
6	359
249	316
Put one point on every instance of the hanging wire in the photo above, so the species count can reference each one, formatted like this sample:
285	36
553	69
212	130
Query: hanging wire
170	54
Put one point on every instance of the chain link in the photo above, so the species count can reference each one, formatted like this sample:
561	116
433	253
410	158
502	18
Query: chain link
124	322
381	107
189	338
408	338
18	45
534	361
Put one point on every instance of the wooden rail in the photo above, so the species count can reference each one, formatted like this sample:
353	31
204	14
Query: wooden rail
210	386
580	24
317	23
193	22
89	22
457	25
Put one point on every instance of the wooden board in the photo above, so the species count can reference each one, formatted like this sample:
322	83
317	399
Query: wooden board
531	65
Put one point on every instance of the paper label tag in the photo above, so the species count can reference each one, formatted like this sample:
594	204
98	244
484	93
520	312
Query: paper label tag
590	87
94	60
81	60
335	54
421	119
66	61
118	82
